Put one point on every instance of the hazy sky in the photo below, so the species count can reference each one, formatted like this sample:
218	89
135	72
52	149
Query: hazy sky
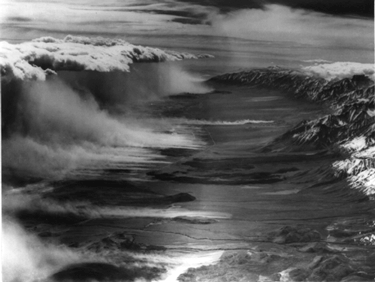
318	22
360	8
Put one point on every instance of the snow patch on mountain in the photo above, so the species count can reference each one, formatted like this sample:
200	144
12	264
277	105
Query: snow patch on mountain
364	181
360	166
357	144
339	70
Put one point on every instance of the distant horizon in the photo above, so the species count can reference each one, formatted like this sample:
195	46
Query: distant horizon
314	24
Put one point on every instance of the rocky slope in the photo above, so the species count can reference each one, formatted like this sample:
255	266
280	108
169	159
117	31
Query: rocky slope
343	249
349	128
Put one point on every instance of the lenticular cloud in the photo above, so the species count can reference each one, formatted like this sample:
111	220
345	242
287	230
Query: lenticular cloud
41	57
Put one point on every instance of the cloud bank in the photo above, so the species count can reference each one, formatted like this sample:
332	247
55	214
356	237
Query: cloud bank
35	60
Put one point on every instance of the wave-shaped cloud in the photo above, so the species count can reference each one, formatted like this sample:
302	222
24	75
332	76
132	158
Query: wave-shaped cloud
41	57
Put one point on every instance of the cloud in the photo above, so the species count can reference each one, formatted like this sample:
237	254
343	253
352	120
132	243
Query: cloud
16	201
227	6
64	123
342	23
26	258
281	23
58	129
25	61
69	12
188	15
54	112
80	17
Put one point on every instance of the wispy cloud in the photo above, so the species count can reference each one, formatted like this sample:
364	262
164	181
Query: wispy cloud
271	22
281	23
111	17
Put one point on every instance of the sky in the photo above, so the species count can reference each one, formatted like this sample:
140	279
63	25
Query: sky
339	23
358	8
